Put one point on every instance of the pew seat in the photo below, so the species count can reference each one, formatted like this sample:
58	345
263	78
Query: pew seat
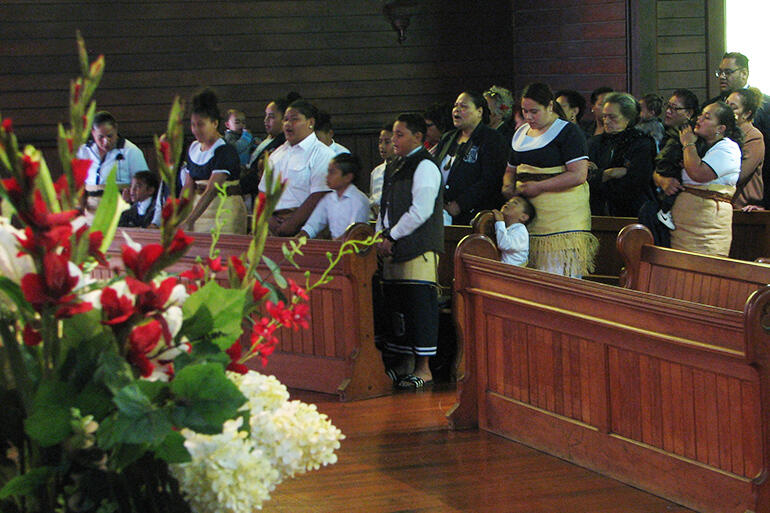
668	394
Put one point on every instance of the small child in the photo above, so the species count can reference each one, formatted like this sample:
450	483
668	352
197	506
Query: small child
651	106
237	135
377	176
344	205
511	230
142	194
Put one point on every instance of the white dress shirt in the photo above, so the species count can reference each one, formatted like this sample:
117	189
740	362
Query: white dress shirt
513	243
338	212
304	166
375	184
337	148
129	160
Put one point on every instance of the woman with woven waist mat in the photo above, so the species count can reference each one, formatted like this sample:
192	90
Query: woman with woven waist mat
549	165
702	212
211	161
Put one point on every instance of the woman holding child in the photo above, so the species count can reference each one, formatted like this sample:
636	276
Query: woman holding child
548	165
750	186
210	162
703	212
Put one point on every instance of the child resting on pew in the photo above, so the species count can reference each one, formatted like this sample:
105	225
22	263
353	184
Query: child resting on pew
511	230
344	205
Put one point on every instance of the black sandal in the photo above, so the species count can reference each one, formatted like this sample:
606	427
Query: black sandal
411	382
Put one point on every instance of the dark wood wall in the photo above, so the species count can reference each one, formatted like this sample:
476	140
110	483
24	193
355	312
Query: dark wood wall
342	55
571	45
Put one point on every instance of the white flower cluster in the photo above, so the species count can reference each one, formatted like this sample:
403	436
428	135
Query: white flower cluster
235	471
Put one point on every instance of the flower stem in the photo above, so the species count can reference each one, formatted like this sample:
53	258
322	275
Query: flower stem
23	383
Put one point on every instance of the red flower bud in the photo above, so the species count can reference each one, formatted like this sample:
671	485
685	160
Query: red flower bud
259	292
31	336
76	93
261	202
165	150
8	125
80	169
238	267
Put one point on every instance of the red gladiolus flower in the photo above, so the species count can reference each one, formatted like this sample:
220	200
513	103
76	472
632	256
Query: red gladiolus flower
165	150
80	169
173	204
8	125
297	290
31	336
40	218
13	189
261	202
140	263
234	352
195	273
31	168
95	240
143	363
116	309
144	338
237	265
72	309
151	297
259	292
215	264
51	288
179	243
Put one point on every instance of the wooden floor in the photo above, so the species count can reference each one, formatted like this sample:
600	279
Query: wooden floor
399	457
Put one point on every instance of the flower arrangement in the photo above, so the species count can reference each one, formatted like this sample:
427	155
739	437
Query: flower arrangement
132	393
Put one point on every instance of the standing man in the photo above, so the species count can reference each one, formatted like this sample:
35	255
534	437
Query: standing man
733	74
413	235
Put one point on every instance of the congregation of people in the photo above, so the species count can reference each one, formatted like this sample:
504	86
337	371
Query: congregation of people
679	165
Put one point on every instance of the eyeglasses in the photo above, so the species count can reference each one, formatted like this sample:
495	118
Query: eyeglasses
725	72
672	107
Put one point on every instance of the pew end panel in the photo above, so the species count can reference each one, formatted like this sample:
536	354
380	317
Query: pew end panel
336	355
661	393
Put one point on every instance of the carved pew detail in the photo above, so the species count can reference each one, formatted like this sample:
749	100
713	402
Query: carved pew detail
666	394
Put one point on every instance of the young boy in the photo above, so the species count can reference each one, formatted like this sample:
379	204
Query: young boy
344	205
142	194
385	145
511	229
325	133
237	135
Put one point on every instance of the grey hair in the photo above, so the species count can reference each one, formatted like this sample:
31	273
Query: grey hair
504	99
628	105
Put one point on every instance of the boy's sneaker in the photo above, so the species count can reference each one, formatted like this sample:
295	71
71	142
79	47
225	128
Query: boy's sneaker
666	219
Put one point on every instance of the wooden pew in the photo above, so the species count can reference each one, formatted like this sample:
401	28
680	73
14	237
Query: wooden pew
337	354
666	394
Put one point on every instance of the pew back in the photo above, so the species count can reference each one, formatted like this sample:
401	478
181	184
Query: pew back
336	355
658	392
715	281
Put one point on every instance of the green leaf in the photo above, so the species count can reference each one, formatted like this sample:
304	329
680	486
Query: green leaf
209	303
14	293
113	371
94	400
205	398
172	449
109	210
202	352
49	422
27	483
276	272
152	389
125	454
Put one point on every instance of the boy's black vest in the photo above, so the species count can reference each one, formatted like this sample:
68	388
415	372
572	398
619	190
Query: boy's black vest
396	200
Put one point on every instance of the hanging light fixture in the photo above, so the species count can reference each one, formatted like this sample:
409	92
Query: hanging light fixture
399	14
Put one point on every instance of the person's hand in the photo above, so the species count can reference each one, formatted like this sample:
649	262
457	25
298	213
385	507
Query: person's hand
273	224
509	190
498	215
592	168
529	189
613	172
753	208
385	248
670	186
452	207
686	135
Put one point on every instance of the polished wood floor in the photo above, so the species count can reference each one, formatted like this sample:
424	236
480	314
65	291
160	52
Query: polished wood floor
399	457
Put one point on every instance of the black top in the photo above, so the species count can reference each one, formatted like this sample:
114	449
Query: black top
252	176
623	196
224	158
475	178
556	147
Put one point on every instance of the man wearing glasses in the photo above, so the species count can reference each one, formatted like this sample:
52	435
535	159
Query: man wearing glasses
733	74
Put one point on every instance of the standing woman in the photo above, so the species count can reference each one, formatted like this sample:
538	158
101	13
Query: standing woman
750	186
471	159
548	165
703	212
210	161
